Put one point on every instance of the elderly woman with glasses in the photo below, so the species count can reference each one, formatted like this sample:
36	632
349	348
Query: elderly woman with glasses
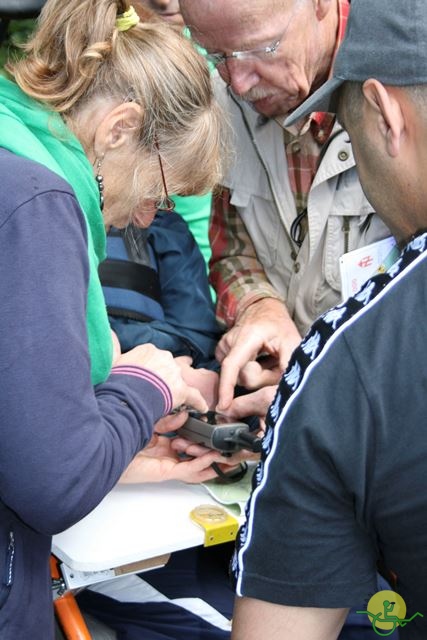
102	112
195	209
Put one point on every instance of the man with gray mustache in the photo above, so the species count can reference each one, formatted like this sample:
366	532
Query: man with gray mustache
291	203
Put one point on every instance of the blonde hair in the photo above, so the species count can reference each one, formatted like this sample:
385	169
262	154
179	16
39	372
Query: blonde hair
77	56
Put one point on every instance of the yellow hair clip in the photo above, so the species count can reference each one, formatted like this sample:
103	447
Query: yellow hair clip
127	20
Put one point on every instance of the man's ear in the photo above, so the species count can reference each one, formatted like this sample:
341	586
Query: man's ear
118	127
388	113
322	8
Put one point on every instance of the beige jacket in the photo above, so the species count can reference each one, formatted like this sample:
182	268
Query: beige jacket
340	218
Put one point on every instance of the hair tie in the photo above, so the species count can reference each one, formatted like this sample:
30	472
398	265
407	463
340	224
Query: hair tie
127	20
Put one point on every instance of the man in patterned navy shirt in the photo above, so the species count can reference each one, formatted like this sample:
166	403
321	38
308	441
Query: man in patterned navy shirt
340	489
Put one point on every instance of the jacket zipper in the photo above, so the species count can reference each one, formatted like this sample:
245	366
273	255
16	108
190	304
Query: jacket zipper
346	229
8	570
10	555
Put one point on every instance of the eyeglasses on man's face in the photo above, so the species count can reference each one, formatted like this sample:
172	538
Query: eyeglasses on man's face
259	53
262	53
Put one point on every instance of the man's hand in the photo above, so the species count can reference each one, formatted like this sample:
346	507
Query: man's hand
253	404
265	329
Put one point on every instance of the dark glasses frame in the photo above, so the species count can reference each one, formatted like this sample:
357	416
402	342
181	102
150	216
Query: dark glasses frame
166	203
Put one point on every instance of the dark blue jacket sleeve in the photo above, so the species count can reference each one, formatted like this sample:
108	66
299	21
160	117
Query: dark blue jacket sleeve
161	334
64	444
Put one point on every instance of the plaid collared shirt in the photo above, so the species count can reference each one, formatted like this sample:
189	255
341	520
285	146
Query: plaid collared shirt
235	271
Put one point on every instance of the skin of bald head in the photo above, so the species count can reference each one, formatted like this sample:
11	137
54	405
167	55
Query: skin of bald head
387	126
167	9
277	85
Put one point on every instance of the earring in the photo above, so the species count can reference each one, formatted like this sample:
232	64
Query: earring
100	181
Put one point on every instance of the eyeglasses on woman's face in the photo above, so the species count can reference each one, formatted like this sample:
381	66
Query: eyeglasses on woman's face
165	203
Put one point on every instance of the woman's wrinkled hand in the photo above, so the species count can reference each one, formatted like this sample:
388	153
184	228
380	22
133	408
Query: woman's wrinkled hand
205	380
165	367
162	460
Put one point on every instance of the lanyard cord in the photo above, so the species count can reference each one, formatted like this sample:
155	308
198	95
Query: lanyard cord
294	237
296	226
292	245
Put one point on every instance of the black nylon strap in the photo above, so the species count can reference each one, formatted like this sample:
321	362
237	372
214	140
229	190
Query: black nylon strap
117	312
131	276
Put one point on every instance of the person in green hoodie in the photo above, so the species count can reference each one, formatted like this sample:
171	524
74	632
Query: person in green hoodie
101	118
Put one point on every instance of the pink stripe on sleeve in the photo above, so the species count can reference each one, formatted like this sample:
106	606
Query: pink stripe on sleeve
149	376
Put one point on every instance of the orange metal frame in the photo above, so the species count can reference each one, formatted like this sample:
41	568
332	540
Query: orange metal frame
67	611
